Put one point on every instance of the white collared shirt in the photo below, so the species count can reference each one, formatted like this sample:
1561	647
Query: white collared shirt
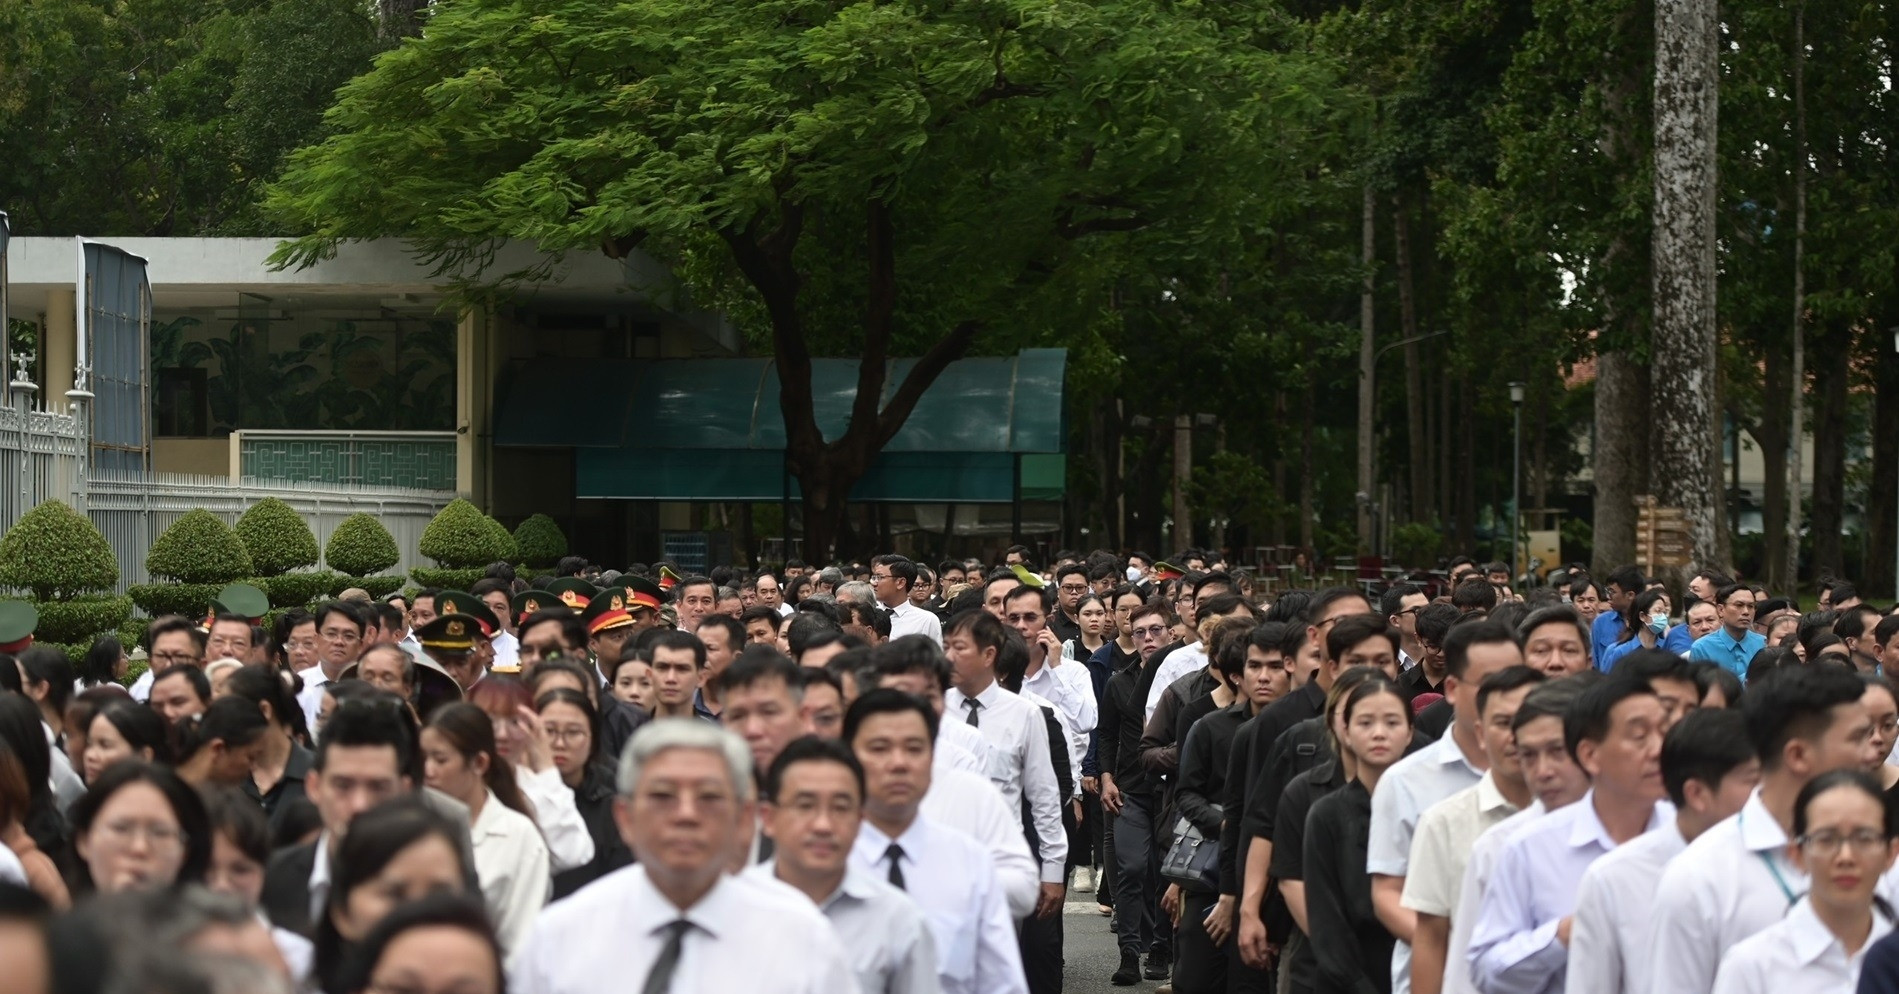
310	697
569	844
748	936
1608	938
1018	734
949	876
908	619
884	932
969	803
507	651
1514	948
1731	882
957	734
512	864
1796	955
1442	845
1415	783
141	689
320	877
1182	661
1068	689
1470	894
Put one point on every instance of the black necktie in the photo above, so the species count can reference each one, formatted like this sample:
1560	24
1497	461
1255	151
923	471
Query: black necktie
895	855
973	705
660	979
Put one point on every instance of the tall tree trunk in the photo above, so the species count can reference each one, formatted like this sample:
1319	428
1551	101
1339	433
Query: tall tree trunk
1413	366
1467	484
1882	505
1367	382
1183	478
1796	426
1829	453
1445	419
1684	467
1620	458
1771	435
1308	470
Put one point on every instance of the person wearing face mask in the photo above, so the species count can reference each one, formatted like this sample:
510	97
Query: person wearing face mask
1650	611
1844	840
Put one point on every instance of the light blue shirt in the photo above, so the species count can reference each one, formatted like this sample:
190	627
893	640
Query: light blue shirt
1721	649
1513	948
1602	635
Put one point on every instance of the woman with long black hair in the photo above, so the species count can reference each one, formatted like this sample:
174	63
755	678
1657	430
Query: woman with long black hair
460	759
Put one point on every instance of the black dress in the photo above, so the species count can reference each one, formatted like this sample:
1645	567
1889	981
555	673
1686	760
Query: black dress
594	799
1346	936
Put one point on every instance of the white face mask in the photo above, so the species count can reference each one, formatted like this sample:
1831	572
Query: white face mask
1134	573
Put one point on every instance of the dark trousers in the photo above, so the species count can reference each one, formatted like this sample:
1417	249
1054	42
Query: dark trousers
1091	831
1041	940
1199	965
1136	871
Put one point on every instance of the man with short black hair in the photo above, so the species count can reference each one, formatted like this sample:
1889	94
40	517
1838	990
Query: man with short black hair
1555	640
339	631
1710	770
1472	651
1401	606
551	633
1433	626
169	641
812	809
179	693
770	594
678	660
1733	645
1071	585
1474	594
891	579
1624	583
762	692
695	597
1737	878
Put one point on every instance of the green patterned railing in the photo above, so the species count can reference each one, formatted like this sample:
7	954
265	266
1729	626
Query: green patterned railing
417	460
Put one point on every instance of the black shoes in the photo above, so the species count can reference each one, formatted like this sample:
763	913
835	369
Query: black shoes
1130	972
1160	966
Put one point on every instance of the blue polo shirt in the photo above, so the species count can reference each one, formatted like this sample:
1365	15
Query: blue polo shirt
1721	649
1603	634
1678	640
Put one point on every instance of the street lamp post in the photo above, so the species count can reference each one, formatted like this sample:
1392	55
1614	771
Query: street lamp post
1516	476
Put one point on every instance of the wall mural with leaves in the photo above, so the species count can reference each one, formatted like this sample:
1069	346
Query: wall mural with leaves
309	371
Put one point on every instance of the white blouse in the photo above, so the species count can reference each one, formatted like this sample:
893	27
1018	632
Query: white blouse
1795	954
566	835
512	863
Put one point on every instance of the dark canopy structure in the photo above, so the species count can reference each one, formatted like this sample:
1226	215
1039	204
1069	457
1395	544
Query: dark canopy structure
989	430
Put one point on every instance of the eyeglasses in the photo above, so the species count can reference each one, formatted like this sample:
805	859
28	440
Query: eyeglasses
158	836
1073	588
1826	843
174	658
573	733
340	634
1151	632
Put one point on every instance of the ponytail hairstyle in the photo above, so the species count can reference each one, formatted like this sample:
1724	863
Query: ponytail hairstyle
235	721
471	732
264	684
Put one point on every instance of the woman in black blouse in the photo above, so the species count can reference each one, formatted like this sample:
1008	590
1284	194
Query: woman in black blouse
573	729
1352	949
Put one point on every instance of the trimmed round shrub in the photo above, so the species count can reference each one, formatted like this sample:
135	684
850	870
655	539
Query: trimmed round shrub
276	537
461	537
377	586
133	670
361	546
131	632
199	548
80	619
296	589
188	599
446	579
540	541
503	540
56	552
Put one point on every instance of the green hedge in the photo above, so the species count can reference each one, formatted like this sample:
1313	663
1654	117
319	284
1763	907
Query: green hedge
447	579
188	599
81	619
276	537
378	586
135	669
131	632
56	552
461	537
199	548
297	589
361	546
539	541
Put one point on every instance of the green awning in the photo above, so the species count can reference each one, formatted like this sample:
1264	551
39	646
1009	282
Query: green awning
710	429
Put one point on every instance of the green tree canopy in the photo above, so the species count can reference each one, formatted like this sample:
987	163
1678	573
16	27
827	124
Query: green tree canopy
857	178
539	540
199	548
57	553
361	546
277	537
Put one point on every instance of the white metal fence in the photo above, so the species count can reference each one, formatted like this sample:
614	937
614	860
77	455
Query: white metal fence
40	457
134	509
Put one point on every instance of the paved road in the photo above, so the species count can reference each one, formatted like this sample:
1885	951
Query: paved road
1089	954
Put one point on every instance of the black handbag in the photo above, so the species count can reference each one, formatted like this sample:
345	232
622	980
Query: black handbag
1192	861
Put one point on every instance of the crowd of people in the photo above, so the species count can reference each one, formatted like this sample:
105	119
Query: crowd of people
891	777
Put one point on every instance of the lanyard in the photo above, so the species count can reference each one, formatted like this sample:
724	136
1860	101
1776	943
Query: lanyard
1767	859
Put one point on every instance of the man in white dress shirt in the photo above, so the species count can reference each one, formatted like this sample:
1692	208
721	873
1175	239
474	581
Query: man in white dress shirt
947	873
1064	684
1018	736
1445	834
813	805
1710	770
891	579
1736	879
1521	941
1555	781
676	921
339	632
1472	651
